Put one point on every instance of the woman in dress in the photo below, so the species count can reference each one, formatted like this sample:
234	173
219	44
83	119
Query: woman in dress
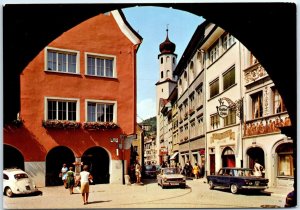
63	171
70	180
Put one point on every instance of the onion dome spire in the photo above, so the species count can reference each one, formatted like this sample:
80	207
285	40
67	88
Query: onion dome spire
167	46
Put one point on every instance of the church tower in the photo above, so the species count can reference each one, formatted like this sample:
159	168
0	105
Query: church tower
167	63
167	82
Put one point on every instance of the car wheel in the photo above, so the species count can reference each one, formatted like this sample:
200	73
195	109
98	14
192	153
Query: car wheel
211	185
233	188
183	186
8	192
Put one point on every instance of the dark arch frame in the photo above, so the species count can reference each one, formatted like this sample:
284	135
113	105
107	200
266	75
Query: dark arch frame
259	31
268	30
12	157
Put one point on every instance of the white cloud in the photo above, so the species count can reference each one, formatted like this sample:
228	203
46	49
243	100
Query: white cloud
146	109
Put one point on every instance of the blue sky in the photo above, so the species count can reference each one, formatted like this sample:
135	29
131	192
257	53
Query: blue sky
151	24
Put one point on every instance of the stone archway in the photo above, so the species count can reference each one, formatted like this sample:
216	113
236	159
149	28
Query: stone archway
12	158
98	161
254	153
228	157
54	161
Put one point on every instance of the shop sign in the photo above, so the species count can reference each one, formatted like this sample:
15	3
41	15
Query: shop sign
223	109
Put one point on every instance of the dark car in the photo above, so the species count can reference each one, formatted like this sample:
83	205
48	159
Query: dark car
150	171
237	179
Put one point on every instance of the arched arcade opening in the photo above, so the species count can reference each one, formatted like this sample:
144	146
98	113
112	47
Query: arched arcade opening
12	158
56	157
98	161
255	153
228	157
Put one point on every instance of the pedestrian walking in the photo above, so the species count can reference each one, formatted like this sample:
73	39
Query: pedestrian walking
63	171
70	180
138	172
196	171
85	177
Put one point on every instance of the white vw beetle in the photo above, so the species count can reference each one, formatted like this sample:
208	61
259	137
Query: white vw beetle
16	181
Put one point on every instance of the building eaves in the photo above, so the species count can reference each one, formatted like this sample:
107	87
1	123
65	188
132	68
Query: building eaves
196	41
126	28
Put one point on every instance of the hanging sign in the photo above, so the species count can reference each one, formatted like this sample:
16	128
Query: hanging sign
223	109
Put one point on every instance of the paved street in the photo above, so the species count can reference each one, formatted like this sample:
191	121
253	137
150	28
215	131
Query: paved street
150	195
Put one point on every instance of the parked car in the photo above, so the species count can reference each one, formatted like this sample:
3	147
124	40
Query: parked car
17	181
236	179
150	171
171	177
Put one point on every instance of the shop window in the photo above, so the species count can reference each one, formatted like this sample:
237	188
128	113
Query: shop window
285	160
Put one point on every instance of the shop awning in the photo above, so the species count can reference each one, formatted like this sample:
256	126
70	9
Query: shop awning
173	156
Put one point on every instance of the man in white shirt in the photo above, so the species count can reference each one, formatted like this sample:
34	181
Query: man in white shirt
85	176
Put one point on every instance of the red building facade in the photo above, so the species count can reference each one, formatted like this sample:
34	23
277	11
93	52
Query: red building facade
78	103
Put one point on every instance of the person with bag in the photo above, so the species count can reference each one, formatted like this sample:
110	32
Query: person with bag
63	174
70	180
85	177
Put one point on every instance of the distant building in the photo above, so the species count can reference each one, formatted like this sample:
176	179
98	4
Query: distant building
73	105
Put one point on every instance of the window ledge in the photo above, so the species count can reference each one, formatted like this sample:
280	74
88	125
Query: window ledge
100	77
60	72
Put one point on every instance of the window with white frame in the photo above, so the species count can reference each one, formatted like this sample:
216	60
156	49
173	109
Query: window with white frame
227	41
58	60
101	111
100	65
60	109
214	52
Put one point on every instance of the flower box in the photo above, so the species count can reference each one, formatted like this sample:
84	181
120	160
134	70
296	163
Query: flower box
61	124
100	125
